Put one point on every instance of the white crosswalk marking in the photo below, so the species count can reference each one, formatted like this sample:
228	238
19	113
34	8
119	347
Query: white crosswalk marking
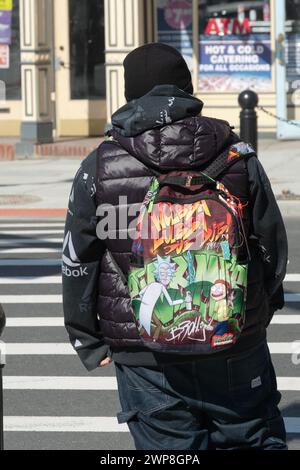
12	233
17	322
288	383
39	349
58	321
62	424
284	348
23	299
59	383
30	299
33	225
61	387
286	320
87	424
97	383
292	278
26	251
66	348
29	241
30	280
57	279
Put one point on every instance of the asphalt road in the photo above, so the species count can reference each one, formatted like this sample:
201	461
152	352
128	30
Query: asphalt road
50	401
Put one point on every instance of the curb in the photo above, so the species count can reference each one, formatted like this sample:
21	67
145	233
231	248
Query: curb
289	208
55	150
7	152
36	212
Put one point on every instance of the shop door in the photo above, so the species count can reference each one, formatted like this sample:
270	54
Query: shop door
80	68
288	68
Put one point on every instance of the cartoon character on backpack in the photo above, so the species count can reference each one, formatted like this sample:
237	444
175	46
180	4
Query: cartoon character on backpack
223	307
165	271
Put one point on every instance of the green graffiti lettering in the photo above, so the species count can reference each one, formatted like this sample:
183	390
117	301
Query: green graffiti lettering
179	279
150	270
207	267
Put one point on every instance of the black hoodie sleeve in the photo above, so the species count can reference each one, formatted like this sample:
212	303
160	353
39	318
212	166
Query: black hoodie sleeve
268	227
82	253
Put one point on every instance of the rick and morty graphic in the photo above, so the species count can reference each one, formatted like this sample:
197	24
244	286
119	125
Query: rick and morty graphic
189	288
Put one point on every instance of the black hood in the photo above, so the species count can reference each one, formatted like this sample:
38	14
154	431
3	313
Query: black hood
163	130
162	105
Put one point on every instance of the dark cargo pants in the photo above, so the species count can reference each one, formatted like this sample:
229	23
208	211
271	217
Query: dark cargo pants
213	403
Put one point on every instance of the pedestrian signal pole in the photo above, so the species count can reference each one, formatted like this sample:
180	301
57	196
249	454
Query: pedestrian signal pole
2	363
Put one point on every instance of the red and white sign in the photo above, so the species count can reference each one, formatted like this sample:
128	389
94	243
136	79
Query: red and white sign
179	14
4	56
226	26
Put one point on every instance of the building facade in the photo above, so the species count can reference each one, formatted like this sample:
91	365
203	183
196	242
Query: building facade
61	60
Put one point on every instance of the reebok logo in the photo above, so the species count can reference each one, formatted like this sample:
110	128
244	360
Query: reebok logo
77	343
71	260
74	272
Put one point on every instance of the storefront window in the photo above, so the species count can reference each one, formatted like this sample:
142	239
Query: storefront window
87	55
292	28
234	46
175	26
10	67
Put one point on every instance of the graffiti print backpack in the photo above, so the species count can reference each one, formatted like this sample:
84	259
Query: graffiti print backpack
188	270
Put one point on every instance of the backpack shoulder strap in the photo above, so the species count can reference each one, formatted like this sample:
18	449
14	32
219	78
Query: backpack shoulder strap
222	163
227	158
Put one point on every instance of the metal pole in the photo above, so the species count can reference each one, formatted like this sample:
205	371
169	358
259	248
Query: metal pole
1	410
2	362
248	100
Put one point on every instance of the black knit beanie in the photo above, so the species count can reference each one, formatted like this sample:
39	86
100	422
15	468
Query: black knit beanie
155	64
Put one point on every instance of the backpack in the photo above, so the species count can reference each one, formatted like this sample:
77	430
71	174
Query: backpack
189	262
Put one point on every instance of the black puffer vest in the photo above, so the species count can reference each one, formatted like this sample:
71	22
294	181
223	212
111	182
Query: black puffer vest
125	169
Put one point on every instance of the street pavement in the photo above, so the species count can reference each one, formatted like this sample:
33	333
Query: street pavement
50	401
47	181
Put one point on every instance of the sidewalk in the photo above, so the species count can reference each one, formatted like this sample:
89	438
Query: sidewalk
36	184
281	160
44	184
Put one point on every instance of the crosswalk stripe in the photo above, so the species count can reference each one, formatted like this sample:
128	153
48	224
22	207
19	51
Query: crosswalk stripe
37	279
31	262
62	424
292	278
59	383
286	320
98	383
33	225
88	424
30	299
27	251
30	280
42	349
36	299
59	321
288	383
24	349
29	241
11	233
34	322
285	348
